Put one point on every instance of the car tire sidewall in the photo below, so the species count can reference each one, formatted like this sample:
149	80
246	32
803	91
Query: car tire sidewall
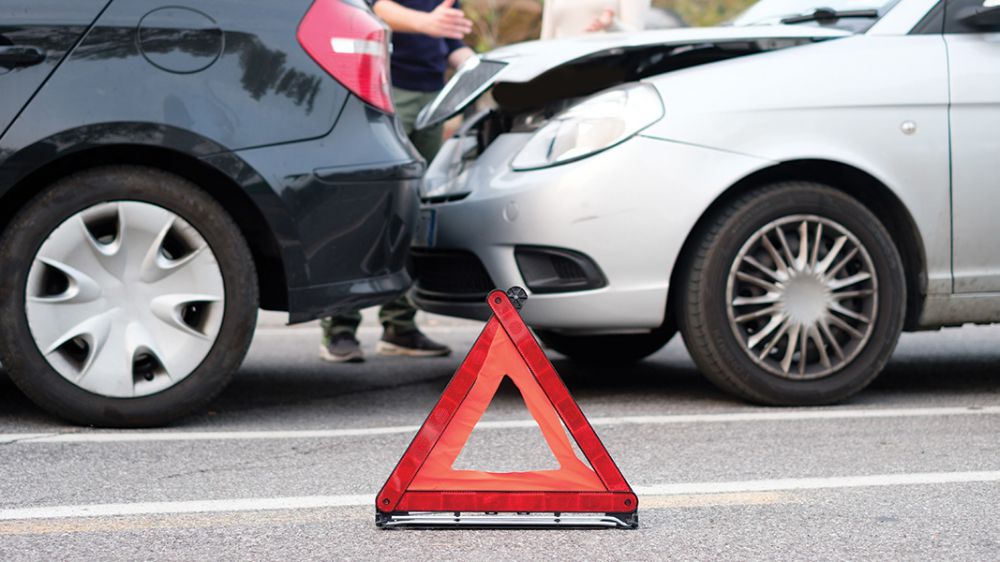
21	241
779	201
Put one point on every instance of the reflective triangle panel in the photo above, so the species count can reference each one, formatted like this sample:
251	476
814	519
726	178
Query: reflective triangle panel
425	480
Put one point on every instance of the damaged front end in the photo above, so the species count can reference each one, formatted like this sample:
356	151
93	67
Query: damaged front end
530	83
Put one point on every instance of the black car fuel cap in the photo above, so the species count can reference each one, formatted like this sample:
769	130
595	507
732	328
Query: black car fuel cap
180	40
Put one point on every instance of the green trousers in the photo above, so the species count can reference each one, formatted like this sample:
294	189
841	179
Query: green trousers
408	105
399	313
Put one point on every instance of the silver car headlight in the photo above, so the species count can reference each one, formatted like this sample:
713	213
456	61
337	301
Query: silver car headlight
595	124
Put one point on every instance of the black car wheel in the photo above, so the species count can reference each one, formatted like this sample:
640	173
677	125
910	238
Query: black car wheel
607	349
795	296
129	297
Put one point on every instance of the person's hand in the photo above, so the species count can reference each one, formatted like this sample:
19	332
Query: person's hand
446	21
602	21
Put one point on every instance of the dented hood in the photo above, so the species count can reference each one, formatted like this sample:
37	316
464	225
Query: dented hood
523	62
528	60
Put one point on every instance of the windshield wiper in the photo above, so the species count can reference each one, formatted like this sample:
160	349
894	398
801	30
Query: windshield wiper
829	15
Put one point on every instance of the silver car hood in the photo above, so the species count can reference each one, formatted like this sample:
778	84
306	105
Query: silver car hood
526	61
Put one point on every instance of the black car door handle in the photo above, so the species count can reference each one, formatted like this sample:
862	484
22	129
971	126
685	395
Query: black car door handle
14	56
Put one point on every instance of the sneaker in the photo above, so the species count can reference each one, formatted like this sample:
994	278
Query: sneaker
410	344
342	348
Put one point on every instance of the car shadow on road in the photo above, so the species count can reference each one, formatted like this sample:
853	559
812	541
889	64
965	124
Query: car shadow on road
929	375
959	367
924	368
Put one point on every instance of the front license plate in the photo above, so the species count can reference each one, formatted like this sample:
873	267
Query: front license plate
426	232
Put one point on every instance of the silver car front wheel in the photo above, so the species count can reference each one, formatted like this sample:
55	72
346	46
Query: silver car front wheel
794	295
802	297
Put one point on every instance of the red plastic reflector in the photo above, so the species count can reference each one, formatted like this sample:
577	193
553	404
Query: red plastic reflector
425	480
351	44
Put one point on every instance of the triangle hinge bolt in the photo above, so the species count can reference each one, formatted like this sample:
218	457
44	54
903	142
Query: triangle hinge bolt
517	296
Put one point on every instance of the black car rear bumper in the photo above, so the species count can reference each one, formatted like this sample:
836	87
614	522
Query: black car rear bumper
342	207
374	208
308	303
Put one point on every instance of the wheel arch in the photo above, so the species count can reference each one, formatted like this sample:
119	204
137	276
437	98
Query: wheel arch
266	251
859	184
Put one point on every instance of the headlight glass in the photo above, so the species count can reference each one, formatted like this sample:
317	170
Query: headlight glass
595	124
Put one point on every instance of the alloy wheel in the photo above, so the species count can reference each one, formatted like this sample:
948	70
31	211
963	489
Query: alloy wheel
802	297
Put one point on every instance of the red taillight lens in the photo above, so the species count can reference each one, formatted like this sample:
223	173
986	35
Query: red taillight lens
352	45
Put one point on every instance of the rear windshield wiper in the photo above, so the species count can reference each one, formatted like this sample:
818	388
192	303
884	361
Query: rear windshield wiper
829	15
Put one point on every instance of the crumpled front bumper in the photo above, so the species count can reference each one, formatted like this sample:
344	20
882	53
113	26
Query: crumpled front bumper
629	209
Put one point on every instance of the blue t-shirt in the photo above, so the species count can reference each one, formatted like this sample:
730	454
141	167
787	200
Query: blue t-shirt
420	61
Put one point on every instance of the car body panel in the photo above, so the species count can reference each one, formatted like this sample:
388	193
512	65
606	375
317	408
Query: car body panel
568	203
974	62
528	60
365	191
316	215
882	103
283	96
816	102
331	180
51	26
17	161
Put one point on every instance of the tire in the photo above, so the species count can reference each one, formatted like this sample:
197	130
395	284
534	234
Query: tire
154	317
739	320
607	349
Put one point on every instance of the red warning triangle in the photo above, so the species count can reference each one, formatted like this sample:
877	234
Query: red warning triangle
425	480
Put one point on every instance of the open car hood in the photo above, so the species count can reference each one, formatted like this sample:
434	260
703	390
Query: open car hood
525	62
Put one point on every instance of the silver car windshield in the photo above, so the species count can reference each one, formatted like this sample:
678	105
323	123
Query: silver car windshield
826	11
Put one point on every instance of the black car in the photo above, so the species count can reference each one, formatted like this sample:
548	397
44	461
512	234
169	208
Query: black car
168	167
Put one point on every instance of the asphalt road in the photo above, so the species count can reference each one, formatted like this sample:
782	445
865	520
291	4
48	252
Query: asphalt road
287	460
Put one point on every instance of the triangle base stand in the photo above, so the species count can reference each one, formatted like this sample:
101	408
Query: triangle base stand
494	520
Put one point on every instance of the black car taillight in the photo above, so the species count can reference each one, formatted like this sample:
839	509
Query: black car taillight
351	44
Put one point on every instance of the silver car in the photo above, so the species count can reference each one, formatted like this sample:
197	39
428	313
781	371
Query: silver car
790	191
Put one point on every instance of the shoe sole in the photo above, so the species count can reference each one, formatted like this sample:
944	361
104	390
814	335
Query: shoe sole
386	348
355	357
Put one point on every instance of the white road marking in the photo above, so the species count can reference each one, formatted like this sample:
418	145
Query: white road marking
788	484
731	417
203	506
647	492
138	436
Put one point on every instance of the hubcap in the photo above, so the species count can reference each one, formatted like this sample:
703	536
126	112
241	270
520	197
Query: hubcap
125	299
802	297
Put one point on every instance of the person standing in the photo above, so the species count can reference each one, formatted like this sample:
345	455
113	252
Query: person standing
426	41
570	18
